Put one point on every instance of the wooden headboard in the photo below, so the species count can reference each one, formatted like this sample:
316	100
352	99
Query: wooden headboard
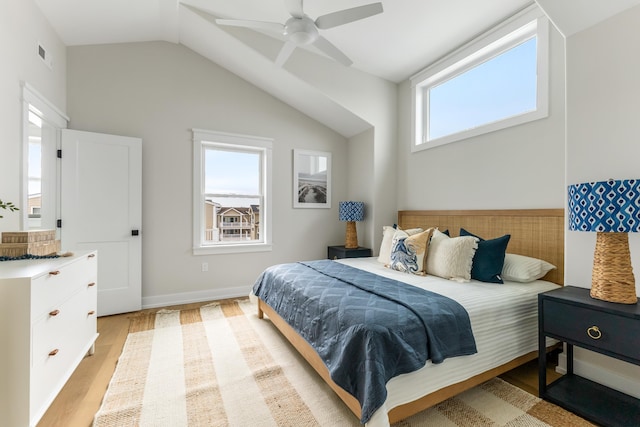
537	233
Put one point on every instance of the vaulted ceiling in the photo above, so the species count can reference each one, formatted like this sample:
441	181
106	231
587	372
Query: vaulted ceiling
393	45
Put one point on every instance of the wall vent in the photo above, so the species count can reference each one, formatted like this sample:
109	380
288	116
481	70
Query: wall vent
44	55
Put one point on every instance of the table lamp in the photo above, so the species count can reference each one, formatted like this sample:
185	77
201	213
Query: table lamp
351	212
612	209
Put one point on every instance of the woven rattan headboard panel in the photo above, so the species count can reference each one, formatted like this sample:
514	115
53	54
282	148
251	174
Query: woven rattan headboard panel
536	233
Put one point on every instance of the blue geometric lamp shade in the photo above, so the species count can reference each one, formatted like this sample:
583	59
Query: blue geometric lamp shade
612	209
351	212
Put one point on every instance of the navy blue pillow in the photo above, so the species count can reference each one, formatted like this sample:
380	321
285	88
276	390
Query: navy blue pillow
489	258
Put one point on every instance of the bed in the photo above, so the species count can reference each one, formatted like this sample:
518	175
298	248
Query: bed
534	233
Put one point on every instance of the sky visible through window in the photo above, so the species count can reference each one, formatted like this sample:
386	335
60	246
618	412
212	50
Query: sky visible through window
501	87
232	172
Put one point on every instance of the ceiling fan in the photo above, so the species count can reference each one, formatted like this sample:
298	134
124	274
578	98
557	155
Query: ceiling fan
300	30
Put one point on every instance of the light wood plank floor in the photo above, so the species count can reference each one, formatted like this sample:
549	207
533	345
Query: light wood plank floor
81	397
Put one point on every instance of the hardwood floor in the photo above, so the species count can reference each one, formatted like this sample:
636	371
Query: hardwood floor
81	397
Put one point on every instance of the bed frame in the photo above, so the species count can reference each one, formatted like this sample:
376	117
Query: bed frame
537	233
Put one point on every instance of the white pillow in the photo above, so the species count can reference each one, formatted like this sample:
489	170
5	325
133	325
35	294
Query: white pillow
520	268
451	258
384	256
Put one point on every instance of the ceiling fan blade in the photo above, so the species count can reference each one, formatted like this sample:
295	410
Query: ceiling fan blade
294	7
256	25
345	16
285	53
327	47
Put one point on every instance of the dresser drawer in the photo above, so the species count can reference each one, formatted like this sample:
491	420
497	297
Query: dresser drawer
58	330
47	378
58	340
51	289
591	328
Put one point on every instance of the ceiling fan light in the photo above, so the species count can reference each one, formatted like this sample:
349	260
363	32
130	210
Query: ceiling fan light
301	31
302	38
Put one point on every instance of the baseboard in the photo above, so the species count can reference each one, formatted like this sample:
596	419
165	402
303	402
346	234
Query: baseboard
196	296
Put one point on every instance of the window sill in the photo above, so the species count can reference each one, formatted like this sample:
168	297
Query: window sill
531	116
232	249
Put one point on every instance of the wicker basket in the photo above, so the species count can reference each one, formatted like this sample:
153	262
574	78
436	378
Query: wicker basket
31	236
612	277
14	250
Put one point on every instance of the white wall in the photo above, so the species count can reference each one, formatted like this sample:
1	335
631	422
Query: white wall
514	168
159	91
603	105
360	186
375	100
22	25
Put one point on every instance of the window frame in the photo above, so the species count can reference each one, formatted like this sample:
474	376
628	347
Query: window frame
203	139
523	26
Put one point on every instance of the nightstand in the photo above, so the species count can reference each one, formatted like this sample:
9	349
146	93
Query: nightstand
338	252
569	314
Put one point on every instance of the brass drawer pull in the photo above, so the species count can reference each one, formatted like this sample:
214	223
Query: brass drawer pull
54	273
53	352
54	313
594	332
91	313
91	284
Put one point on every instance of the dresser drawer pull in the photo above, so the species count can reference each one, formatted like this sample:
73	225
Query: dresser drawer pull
91	313
53	352
54	273
594	332
91	284
91	255
54	313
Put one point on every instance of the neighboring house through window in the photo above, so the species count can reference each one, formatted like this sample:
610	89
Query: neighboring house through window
232	192
496	81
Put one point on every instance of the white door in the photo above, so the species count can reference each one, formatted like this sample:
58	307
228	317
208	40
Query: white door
101	194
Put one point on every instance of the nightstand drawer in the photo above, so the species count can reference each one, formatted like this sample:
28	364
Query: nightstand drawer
339	252
592	328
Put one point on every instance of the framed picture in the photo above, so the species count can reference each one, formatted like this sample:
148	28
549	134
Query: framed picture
311	179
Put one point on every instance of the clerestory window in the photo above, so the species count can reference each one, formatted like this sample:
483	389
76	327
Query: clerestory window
497	81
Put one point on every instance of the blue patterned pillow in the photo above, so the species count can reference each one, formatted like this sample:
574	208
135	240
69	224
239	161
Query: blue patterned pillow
489	258
408	253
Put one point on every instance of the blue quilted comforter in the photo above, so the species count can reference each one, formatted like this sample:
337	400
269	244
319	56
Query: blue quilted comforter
366	328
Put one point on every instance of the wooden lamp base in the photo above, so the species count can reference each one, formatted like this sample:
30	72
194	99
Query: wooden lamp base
612	277
351	241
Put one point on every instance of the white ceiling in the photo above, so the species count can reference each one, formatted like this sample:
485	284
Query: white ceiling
406	37
573	16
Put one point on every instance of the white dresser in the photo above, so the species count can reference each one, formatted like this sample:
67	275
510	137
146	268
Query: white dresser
48	310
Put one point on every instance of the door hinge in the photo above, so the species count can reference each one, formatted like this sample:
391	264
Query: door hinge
59	154
59	223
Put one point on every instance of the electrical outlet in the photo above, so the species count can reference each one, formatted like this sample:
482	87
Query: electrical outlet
205	266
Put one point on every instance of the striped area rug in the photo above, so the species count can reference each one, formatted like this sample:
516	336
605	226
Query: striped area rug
222	366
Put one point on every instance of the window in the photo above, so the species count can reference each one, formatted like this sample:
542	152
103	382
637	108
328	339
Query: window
41	122
34	170
497	81
232	191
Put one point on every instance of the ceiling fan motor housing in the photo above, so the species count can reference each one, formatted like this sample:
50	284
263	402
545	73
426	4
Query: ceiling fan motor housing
301	31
